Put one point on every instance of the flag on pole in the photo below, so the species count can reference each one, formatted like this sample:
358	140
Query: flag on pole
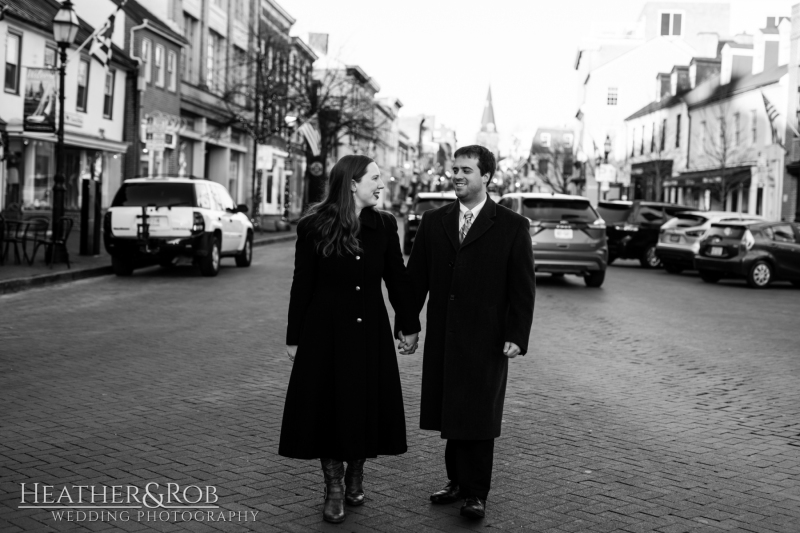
100	41
100	49
312	136
772	114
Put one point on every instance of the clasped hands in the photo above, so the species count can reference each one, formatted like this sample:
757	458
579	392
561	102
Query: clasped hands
408	343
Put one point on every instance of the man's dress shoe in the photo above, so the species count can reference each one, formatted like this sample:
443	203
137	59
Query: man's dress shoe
449	494
473	508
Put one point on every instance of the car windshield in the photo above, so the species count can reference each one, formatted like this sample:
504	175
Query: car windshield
685	221
612	213
555	210
728	232
430	203
156	194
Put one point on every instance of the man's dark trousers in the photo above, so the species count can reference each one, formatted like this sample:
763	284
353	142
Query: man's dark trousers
469	463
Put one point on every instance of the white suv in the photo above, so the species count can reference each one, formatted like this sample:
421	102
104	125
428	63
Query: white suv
161	219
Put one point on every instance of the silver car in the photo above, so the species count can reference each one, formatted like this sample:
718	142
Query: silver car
679	238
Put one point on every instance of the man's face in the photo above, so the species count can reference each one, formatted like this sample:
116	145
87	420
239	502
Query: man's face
467	180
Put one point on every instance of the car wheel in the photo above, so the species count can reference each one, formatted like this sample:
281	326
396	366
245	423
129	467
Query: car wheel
121	266
649	258
709	276
760	275
245	257
672	268
594	279
209	265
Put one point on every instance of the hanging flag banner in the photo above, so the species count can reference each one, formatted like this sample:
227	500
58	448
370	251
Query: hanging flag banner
39	108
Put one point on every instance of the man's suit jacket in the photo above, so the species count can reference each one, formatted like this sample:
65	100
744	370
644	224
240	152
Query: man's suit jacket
480	295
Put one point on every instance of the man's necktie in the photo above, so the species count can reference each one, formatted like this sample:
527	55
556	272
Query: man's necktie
465	227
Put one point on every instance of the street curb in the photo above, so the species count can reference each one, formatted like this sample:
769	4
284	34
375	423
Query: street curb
9	286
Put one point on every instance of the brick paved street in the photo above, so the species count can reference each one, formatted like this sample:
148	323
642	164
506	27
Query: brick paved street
657	403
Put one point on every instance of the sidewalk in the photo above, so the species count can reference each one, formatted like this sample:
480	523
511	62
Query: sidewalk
19	277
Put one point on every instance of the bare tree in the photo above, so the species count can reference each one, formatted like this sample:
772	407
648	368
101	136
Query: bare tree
555	167
723	146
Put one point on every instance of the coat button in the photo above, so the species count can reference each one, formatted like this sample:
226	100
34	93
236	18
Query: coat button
358	288
358	320
452	297
358	257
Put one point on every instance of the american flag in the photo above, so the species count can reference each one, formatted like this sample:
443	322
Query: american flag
312	136
772	114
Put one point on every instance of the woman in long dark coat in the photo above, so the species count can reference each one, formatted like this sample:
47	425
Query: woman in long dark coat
344	402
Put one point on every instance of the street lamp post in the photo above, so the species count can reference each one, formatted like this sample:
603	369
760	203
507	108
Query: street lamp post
65	29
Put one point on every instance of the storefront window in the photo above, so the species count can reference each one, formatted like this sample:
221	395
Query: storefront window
43	172
185	155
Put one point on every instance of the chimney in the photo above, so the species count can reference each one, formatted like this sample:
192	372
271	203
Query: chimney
701	69
679	80
662	85
737	61
766	45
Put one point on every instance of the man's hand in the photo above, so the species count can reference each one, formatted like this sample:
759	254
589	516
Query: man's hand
408	344
511	350
291	351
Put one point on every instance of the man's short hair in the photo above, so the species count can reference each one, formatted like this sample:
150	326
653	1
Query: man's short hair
485	157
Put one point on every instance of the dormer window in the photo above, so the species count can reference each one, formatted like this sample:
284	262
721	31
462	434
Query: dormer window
545	140
672	23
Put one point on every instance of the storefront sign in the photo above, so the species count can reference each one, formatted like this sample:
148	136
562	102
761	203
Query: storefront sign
40	100
73	119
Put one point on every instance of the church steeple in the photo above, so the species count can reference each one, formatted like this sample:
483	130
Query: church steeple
487	122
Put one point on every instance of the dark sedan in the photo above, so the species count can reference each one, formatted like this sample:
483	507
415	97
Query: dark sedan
760	252
632	228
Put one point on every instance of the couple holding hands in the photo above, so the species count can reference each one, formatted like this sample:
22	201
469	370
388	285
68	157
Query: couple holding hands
472	260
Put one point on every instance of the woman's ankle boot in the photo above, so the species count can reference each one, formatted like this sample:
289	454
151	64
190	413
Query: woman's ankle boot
354	482
334	490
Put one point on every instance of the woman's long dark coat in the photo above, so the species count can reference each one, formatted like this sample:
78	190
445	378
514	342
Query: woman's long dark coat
480	295
344	399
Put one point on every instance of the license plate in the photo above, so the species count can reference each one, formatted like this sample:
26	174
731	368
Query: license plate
674	238
563	233
154	221
715	250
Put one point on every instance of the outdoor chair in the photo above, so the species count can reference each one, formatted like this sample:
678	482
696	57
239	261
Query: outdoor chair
13	233
57	243
37	233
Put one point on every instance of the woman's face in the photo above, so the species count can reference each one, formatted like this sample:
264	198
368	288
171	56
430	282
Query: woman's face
367	192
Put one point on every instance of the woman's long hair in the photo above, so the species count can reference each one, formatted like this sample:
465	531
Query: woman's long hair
334	218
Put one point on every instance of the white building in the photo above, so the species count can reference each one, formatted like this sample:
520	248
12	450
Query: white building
94	115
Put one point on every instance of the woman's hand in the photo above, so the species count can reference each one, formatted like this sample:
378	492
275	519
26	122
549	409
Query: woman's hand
291	351
408	344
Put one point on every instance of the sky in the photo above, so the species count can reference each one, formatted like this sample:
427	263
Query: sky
439	57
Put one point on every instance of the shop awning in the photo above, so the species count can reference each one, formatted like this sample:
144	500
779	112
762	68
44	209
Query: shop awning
75	139
732	176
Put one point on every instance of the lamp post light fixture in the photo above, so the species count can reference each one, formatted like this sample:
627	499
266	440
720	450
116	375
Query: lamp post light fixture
65	29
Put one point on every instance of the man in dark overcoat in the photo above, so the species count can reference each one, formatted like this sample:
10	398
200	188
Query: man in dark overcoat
474	262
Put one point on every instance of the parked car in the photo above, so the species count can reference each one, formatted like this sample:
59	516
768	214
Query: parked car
760	252
156	220
632	228
567	234
678	240
423	201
